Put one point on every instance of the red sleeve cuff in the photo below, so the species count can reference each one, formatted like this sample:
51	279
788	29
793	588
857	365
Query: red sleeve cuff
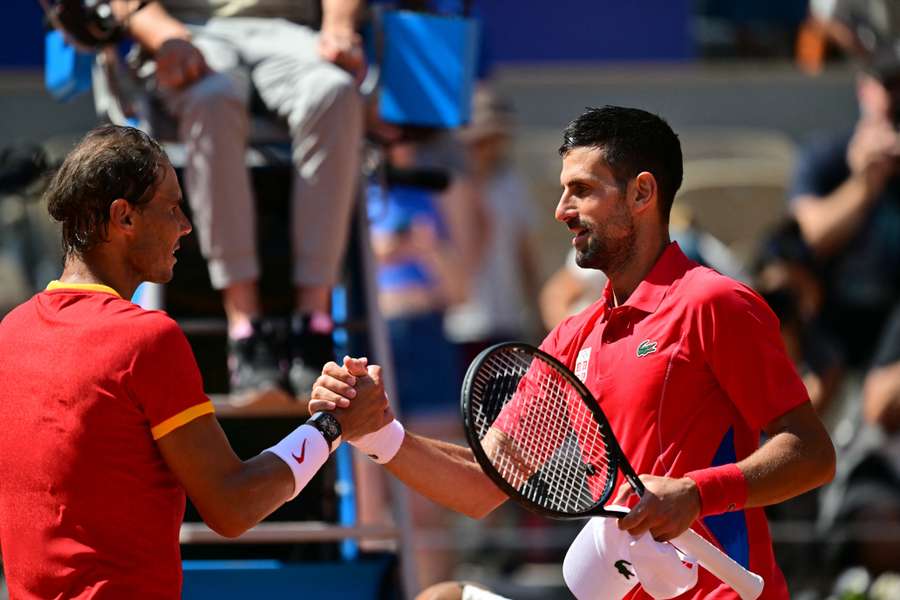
722	489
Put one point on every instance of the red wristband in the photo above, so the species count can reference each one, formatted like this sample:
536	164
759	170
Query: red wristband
722	489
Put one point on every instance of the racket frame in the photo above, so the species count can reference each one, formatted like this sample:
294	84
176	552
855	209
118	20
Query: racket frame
617	459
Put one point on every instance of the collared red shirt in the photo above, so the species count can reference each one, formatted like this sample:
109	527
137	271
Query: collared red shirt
88	506
689	370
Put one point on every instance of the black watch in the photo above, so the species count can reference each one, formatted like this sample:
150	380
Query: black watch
329	427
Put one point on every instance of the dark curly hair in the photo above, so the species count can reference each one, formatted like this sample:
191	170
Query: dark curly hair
110	162
632	140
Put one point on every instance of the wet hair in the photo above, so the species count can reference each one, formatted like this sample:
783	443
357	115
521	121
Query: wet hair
632	140
110	162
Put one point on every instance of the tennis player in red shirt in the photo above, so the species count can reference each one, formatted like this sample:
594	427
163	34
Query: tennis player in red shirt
105	423
687	364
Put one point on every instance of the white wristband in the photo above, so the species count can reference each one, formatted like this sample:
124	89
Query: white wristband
382	445
305	451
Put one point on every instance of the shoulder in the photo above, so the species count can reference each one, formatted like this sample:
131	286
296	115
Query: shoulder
17	317
717	306
822	156
142	326
154	323
825	145
705	288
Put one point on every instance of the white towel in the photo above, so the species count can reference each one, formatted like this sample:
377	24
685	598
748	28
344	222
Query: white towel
605	562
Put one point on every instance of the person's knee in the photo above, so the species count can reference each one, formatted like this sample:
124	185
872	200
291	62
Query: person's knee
334	98
215	95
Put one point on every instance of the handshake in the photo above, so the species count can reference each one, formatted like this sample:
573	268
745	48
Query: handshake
354	394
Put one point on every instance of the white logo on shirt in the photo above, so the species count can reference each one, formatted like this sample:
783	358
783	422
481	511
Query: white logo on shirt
581	364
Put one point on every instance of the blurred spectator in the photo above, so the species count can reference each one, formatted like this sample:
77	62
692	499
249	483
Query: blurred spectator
881	393
421	272
785	276
204	56
571	288
30	253
747	28
846	199
502	300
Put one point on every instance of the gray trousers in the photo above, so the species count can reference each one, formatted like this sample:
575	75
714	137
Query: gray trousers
323	112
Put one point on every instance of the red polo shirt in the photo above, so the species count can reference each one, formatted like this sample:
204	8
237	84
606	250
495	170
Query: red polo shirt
88	506
688	371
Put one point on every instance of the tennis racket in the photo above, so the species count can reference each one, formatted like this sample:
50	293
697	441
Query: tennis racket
540	435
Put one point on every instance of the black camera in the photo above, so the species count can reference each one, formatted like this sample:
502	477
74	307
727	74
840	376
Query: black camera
89	24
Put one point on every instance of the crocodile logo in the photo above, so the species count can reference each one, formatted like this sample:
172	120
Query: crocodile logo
623	570
646	347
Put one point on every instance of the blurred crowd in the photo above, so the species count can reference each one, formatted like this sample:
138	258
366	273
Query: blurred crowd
458	270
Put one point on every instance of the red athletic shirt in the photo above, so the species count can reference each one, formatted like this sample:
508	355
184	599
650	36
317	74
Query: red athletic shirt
88	507
688	371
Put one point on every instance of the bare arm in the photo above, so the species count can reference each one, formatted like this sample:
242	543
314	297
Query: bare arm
798	457
881	397
828	223
178	62
338	41
152	26
231	495
234	495
558	295
447	474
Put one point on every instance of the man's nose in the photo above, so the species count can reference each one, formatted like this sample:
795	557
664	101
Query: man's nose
186	226
565	208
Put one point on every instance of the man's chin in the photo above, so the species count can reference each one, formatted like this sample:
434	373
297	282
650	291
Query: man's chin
587	260
161	277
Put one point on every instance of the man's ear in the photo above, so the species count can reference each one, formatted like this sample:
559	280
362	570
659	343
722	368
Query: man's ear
645	191
121	214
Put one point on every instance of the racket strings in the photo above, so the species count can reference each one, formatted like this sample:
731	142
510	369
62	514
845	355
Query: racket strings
554	452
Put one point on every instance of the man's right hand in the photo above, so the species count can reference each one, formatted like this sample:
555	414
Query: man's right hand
362	383
874	153
179	63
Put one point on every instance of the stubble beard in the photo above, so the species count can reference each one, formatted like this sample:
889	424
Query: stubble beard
606	253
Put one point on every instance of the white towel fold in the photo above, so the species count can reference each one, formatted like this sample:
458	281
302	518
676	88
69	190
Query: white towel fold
605	562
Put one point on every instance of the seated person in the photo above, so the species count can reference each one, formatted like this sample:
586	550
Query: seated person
204	55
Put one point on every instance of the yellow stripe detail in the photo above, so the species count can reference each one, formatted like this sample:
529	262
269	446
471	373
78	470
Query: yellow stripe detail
89	287
182	418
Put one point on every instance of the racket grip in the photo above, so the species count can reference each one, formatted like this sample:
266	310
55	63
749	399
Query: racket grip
746	583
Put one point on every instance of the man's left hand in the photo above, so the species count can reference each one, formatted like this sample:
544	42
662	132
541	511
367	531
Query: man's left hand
343	47
666	510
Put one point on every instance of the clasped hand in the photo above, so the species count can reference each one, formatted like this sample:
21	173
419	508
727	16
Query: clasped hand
355	394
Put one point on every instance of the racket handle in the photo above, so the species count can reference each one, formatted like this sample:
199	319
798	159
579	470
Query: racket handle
746	583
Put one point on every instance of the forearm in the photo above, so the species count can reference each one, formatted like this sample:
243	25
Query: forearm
152	25
340	15
453	282
828	223
447	474
881	397
246	496
786	466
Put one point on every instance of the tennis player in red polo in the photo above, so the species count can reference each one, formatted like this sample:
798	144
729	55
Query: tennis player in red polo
687	364
104	422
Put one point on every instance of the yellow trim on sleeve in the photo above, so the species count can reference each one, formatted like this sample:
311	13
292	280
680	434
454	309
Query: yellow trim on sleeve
89	287
182	418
